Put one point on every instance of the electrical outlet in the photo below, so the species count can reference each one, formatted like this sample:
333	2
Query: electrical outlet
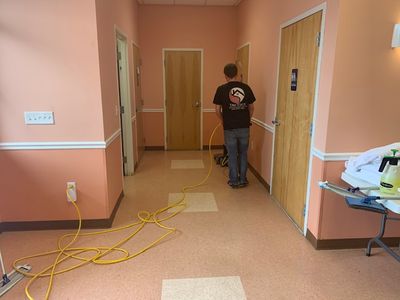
71	187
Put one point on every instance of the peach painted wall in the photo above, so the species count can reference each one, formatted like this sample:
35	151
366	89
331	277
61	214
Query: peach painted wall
316	197
365	94
119	15
112	15
49	62
356	44
365	78
34	183
153	128
185	27
113	173
259	25
208	28
260	151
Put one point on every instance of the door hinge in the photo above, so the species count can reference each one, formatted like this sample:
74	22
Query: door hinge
318	39
125	159
311	129
304	210
122	110
119	56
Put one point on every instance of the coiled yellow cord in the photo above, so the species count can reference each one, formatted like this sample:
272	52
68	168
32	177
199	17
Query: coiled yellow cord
68	252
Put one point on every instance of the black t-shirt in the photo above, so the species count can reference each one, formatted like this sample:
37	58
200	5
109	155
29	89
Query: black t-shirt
234	98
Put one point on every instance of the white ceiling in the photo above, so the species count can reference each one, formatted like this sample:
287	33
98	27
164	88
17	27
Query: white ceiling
192	2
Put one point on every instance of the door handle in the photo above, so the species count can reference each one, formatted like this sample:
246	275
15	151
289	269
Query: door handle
197	104
276	122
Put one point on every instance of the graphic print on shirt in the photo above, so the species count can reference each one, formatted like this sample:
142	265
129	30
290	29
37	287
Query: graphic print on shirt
236	96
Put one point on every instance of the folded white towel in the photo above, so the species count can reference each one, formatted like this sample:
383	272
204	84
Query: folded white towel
373	178
373	167
372	156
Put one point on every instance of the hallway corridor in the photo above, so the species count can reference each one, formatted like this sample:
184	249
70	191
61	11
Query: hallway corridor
230	244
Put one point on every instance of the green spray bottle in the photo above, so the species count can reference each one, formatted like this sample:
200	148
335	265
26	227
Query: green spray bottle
390	179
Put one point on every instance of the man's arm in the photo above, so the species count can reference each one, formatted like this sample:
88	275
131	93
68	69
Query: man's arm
218	111
251	110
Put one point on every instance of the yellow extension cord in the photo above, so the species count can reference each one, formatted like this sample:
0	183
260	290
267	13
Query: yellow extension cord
70	252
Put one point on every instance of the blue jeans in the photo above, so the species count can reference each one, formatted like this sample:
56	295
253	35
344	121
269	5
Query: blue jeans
237	143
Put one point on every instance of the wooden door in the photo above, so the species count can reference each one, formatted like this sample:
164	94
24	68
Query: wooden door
242	62
125	106
138	102
294	117
183	99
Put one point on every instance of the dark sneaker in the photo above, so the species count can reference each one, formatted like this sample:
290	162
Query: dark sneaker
233	185
243	184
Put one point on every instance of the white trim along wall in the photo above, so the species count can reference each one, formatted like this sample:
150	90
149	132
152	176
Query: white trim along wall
61	145
161	110
333	156
208	110
324	156
263	125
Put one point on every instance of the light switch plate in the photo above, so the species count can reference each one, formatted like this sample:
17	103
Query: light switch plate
39	117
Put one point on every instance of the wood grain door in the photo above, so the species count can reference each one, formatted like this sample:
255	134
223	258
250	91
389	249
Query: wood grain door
242	62
294	117
183	99
138	102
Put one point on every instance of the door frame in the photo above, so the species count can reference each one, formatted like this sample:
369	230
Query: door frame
136	110
249	65
126	117
318	8
201	50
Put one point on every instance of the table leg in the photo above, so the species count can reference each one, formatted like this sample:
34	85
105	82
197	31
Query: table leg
378	241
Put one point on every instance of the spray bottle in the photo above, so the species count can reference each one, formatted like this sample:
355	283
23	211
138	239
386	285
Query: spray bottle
390	179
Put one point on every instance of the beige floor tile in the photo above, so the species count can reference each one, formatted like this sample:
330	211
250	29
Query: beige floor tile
195	202
187	164
213	288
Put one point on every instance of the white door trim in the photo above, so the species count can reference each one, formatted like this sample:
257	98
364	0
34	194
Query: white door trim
201	50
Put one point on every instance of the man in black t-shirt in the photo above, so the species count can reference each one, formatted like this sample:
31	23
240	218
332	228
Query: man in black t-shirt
234	107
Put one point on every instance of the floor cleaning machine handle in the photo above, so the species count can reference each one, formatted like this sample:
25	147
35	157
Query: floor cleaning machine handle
5	278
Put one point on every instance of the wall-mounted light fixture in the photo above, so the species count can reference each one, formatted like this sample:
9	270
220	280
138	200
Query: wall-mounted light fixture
396	36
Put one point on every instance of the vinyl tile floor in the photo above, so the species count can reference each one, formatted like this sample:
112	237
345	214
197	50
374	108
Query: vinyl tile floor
228	244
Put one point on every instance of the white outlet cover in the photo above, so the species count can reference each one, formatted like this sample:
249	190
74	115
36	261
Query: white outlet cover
71	186
39	117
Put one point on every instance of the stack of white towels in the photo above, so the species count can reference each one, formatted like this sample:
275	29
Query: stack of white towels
366	165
